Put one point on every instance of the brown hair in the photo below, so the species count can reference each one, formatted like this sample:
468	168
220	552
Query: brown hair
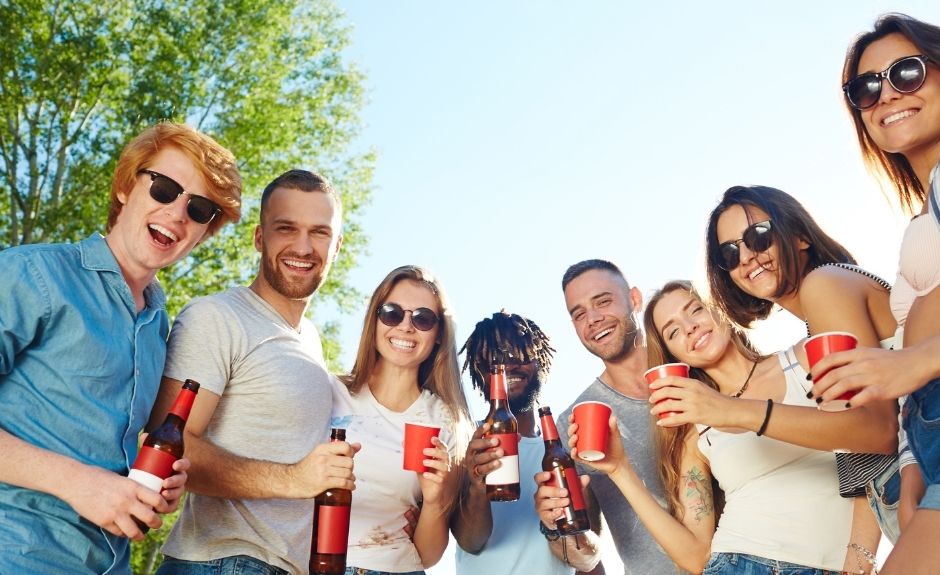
670	441
789	222
215	163
889	166
438	373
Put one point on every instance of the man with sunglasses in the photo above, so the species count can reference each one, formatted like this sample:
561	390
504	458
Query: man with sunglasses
258	433
82	344
502	538
603	308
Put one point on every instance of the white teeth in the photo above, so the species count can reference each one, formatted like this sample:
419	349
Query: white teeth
756	272
897	117
401	343
298	264
603	333
164	231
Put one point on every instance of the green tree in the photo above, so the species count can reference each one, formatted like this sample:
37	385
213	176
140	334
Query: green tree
267	79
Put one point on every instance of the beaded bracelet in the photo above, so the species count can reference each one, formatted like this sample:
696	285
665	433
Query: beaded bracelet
868	555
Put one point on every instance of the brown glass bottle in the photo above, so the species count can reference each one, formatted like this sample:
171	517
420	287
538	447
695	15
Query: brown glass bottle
330	526
558	462
502	484
164	445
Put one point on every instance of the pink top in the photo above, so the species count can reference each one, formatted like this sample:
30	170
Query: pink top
918	267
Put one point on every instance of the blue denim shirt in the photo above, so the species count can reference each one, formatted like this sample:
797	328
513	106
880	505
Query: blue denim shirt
79	373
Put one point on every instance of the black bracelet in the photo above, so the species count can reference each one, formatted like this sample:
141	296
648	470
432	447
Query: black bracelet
550	534
763	426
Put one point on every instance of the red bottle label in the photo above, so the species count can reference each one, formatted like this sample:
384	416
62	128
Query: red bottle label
183	404
155	462
332	528
568	479
508	442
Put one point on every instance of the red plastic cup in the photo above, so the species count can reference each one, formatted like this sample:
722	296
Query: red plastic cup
665	370
821	345
417	439
592	418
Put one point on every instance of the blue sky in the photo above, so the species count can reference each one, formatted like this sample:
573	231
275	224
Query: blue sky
517	138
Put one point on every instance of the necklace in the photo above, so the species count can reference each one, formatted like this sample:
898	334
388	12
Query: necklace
746	381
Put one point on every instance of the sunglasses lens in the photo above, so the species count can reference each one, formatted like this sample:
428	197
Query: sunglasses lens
864	91
391	314
728	256
200	209
423	318
907	75
164	190
757	237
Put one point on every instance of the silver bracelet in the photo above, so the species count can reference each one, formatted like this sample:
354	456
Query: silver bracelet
861	552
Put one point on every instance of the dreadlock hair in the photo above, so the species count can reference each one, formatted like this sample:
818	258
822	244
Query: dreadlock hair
502	337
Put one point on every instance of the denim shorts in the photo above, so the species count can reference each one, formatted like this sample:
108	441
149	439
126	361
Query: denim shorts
883	493
236	565
741	564
922	424
361	571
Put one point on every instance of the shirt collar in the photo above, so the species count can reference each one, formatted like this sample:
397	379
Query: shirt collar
96	255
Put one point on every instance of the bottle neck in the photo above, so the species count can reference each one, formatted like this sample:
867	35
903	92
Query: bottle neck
549	431
183	404
498	387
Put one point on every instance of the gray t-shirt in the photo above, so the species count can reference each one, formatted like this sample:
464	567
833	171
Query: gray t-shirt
275	400
640	553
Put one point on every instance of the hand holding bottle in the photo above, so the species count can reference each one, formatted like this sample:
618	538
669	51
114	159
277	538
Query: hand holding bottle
482	457
328	465
111	501
550	500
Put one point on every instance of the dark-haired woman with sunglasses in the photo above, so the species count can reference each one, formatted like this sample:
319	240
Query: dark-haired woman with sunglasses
891	81
405	371
765	249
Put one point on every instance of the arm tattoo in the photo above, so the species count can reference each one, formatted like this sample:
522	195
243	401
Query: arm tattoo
698	491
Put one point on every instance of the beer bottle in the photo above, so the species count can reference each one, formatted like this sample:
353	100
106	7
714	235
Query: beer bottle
164	445
503	483
330	526
560	465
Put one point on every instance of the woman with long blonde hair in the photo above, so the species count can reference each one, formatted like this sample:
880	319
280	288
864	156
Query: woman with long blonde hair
405	371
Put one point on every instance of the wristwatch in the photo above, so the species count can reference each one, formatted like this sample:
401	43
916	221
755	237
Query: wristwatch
550	534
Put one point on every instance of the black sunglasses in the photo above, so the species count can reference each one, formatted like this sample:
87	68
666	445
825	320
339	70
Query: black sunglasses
756	237
905	75
392	314
165	190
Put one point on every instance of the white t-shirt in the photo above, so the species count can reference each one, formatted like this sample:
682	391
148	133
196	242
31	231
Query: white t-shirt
384	491
274	403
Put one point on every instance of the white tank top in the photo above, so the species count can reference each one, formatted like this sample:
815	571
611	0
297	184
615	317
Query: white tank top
781	500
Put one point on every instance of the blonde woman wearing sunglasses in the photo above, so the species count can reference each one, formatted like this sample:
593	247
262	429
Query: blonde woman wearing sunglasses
405	371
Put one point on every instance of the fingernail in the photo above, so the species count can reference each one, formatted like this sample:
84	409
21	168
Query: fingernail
848	405
818	400
809	394
809	377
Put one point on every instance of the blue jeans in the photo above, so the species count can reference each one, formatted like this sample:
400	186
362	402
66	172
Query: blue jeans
922	424
236	565
361	571
741	564
883	494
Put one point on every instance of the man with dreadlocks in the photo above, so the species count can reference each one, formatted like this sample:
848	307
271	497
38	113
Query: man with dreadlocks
505	538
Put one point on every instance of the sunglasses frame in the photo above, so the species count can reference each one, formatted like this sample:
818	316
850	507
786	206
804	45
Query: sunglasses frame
721	261
886	75
216	210
422	312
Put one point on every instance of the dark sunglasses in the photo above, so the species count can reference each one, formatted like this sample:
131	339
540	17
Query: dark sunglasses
905	75
756	237
165	190
391	314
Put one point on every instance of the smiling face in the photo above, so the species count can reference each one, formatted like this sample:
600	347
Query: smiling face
147	235
908	124
298	238
690	330
601	307
757	272
403	345
524	384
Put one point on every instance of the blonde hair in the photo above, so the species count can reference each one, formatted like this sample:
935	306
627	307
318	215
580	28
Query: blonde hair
439	373
215	163
670	441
